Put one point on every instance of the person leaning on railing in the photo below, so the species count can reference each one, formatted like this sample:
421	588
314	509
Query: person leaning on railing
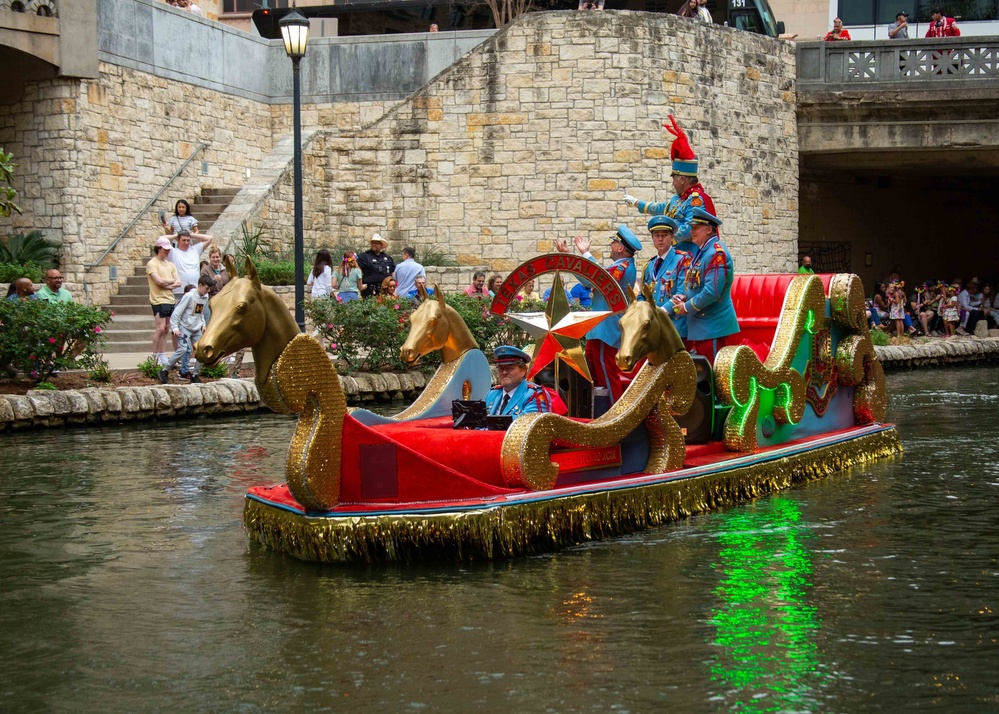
900	30
941	26
838	32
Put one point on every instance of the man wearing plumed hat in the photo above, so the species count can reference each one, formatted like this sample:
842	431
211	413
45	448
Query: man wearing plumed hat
514	395
690	194
665	273
706	296
603	341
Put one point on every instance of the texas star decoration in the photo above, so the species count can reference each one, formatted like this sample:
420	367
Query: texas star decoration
557	332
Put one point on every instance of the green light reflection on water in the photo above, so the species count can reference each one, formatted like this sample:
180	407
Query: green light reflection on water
765	631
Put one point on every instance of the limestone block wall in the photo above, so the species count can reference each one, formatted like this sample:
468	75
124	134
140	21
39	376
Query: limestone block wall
536	135
93	152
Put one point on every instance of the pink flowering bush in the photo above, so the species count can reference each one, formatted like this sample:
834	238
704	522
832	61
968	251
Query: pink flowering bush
38	338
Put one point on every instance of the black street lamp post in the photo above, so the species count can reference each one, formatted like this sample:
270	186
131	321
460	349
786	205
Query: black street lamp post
295	33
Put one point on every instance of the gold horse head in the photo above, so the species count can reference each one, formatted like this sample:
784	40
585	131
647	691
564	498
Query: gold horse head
246	314
435	325
646	331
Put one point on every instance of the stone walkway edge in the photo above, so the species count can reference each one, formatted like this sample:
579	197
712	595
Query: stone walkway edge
43	408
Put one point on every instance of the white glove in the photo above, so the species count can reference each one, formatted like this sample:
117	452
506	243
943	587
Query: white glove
630	200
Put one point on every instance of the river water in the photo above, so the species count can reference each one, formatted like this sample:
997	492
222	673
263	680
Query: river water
128	585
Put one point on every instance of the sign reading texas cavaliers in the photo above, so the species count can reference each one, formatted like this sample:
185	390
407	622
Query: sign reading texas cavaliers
589	271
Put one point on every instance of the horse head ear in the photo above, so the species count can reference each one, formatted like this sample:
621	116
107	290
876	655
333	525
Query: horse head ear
251	272
439	294
230	266
630	293
647	292
421	291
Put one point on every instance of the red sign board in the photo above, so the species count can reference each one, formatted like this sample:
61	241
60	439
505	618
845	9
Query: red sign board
599	278
587	459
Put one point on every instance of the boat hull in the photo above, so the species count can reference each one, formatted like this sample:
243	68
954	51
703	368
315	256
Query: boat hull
522	523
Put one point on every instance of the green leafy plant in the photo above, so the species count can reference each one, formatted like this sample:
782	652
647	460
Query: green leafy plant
98	369
7	191
39	338
149	367
436	257
276	272
218	371
12	271
880	338
48	386
248	244
22	249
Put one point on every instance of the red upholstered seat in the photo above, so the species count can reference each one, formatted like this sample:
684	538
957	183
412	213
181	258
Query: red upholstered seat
758	301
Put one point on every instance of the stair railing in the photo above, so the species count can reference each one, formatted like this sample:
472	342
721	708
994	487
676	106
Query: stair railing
138	217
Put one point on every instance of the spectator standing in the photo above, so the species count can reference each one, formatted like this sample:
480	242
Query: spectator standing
53	291
193	7
478	286
688	9
434	28
216	271
837	32
900	30
950	312
528	291
163	279
703	14
349	284
896	309
806	266
187	323
186	256
181	220
376	265
941	26
321	275
582	295
408	271
494	285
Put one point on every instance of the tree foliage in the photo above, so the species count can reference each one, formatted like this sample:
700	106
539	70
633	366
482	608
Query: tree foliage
7	191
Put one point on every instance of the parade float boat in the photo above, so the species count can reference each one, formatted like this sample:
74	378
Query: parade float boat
801	397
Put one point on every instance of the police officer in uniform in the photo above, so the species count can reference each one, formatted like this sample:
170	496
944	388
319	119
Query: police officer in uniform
690	194
706	296
665	273
514	395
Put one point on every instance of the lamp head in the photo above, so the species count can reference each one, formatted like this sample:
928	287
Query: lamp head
295	33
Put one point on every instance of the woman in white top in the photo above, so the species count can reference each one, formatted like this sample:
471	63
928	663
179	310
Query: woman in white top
181	220
321	277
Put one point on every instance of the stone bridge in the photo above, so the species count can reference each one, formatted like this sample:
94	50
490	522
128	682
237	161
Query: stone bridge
40	39
899	149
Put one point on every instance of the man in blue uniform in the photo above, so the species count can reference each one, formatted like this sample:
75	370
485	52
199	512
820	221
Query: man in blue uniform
603	341
706	295
665	273
514	395
690	194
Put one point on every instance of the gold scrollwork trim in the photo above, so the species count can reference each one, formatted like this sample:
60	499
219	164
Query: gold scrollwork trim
306	382
739	374
857	364
655	391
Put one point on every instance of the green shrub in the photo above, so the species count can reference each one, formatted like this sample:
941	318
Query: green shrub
39	338
9	272
149	367
47	386
98	370
880	338
218	371
22	249
7	192
365	335
276	272
435	257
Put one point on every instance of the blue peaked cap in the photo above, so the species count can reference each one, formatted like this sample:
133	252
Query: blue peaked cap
508	354
628	239
699	215
662	222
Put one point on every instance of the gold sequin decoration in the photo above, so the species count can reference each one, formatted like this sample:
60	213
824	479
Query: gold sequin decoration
739	374
655	391
545	526
432	392
857	363
306	382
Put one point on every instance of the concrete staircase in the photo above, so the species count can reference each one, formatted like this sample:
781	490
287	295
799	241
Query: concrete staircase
132	328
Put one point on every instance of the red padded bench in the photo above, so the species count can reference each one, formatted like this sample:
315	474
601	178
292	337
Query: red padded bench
758	300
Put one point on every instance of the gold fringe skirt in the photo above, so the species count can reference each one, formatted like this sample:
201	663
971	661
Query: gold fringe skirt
550	522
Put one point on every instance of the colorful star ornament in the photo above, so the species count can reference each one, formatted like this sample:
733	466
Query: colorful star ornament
557	332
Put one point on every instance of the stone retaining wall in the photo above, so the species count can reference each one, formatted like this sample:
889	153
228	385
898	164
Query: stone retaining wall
939	353
44	408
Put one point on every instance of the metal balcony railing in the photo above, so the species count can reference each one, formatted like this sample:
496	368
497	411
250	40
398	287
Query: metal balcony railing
883	64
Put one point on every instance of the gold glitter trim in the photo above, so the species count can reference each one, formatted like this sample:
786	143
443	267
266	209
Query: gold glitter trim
739	374
525	457
545	526
306	382
857	364
432	392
